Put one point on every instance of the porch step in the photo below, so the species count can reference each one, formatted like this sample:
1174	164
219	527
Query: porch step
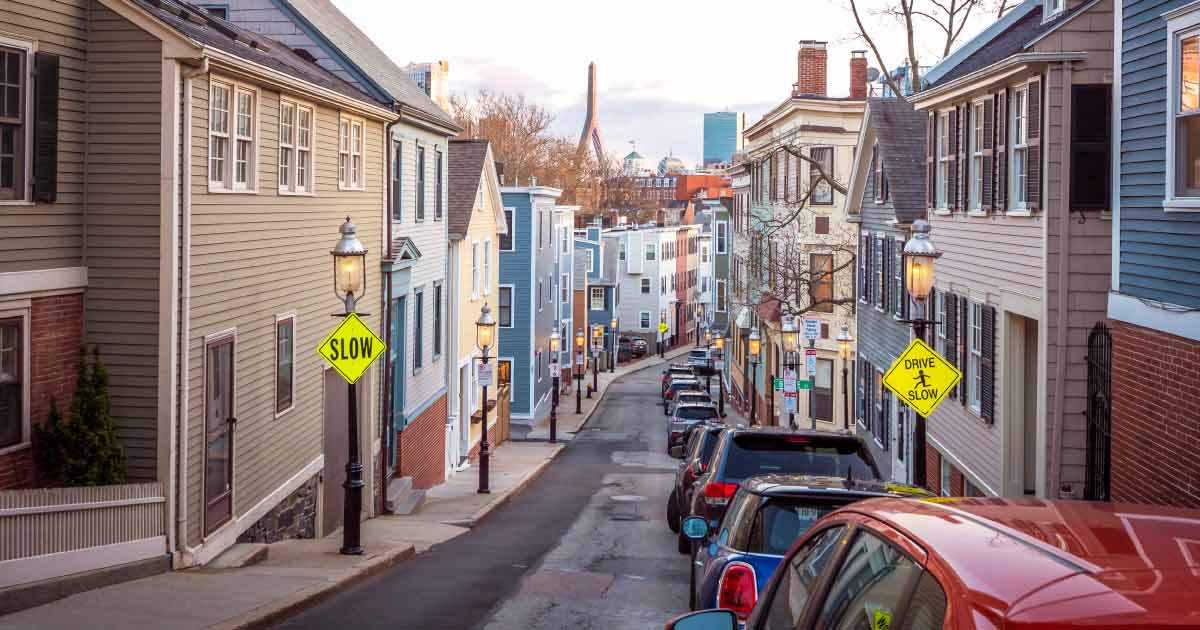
240	555
402	498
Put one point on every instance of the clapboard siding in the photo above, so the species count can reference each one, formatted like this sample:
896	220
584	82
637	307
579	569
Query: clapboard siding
123	165
255	256
1156	247
50	235
516	268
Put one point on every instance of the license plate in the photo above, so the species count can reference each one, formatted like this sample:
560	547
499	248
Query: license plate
808	513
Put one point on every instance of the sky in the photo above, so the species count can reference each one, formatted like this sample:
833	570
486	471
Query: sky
660	66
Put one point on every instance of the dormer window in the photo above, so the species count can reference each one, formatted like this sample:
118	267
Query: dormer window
1051	8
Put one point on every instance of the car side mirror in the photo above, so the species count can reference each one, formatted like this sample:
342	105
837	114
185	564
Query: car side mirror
677	452
717	619
694	527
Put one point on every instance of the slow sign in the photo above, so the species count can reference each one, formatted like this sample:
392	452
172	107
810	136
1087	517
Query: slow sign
921	377
351	348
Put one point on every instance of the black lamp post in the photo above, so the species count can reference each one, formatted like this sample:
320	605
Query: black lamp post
597	340
349	284
844	340
580	339
612	357
791	351
919	257
555	349
754	348
719	343
708	375
485	336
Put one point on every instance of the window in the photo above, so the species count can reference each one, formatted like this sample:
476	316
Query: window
1184	114
975	341
216	11
506	239
487	267
421	183
944	160
822	190
437	320
721	238
800	577
591	265
873	579
597	298
704	254
940	307
820	268
621	250
644	320
646	286
877	419
350	154
397	181
541	293
418	330
566	240
820	399
285	352
1052	8
945	476
821	225
12	385
1091	128
437	185
295	147
504	374
504	307
649	251
287	142
864	268
877	173
537	357
975	200
475	270
14	77
704	284
565	286
898	292
1020	150
228	100
720	295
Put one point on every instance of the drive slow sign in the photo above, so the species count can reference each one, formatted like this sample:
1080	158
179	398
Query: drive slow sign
351	348
921	377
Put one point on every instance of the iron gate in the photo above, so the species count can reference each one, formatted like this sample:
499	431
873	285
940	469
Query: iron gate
1099	412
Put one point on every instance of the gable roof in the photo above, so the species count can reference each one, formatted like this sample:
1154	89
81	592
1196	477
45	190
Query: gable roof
371	62
207	30
468	159
900	134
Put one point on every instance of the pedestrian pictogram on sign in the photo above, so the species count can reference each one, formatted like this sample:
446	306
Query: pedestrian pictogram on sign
351	348
921	377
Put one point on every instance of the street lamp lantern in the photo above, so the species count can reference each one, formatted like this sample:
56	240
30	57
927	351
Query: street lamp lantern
485	329
919	256
791	340
580	340
844	340
755	345
555	345
349	266
708	337
613	324
719	342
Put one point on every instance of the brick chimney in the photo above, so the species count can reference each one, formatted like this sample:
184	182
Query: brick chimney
858	74
810	69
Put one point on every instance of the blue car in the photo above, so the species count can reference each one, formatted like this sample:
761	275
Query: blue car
734	562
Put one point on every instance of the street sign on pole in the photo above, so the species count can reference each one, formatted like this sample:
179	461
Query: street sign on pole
921	377
351	348
812	328
810	361
484	375
789	400
789	381
804	384
778	384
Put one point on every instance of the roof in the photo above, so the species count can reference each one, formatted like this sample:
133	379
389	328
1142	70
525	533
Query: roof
994	46
790	485
208	30
467	160
342	33
900	132
1057	551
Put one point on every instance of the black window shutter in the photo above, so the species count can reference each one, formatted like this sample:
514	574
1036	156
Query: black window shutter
885	285
1033	179
905	307
45	127
952	333
987	365
964	341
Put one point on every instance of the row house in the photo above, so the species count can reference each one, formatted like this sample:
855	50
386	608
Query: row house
567	268
1017	195
1146	369
885	199
414	253
645	275
795	219
189	243
602	297
713	268
476	223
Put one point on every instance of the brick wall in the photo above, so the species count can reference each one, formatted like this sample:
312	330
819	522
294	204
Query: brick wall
1155	417
421	446
56	330
956	482
933	470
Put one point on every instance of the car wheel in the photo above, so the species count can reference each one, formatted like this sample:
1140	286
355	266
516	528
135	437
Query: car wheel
692	582
673	512
684	544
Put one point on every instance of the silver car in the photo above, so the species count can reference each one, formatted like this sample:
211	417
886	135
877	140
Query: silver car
687	396
686	415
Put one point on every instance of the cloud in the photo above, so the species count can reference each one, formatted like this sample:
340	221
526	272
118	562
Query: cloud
474	73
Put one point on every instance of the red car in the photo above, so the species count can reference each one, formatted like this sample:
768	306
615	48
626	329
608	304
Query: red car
908	564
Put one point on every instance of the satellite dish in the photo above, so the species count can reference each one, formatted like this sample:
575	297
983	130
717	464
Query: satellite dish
872	74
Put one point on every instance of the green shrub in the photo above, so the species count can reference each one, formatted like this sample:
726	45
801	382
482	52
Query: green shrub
83	450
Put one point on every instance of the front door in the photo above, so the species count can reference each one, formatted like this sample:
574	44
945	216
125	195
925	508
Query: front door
399	335
218	435
336	449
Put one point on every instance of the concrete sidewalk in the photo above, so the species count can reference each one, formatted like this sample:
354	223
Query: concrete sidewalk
298	573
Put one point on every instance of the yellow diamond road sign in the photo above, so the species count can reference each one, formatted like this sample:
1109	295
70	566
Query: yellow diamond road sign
921	377
351	348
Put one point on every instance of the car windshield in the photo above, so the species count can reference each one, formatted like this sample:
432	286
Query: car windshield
781	521
698	354
695	413
678	385
753	454
687	398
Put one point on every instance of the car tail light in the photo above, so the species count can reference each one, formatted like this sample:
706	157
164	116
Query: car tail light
670	394
795	439
737	590
717	493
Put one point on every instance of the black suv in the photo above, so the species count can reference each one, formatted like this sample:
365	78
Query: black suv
747	452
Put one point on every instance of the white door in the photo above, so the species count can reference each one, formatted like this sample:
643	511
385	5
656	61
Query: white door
901	451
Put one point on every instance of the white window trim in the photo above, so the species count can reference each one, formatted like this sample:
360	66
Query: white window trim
437	320
592	298
974	355
722	237
1018	122
1052	9
475	271
939	340
720	297
1180	24
275	364
541	293
646	286
512	293
347	183
512	229
650	252
231	137
975	151
418	342
293	188
21	309
878	302
26	199
487	266
943	159
565	289
945	476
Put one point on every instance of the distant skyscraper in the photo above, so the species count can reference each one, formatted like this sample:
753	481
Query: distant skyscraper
433	78
722	136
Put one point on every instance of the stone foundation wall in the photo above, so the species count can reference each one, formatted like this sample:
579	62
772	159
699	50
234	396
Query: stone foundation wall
294	517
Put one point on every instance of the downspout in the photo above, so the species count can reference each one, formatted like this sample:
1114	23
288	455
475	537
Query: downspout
183	554
388	423
1054	487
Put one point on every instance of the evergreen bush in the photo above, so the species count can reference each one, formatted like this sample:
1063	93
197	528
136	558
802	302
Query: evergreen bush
83	450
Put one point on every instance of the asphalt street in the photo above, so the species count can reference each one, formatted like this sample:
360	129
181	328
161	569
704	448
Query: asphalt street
583	546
